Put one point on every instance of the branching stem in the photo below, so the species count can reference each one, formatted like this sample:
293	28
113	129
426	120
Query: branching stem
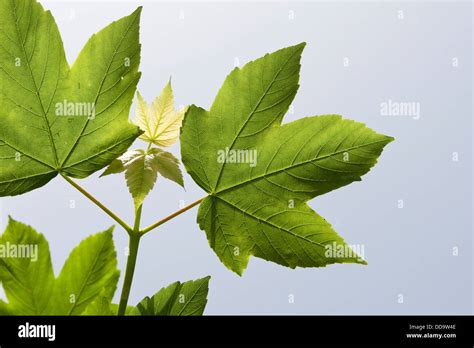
134	242
99	204
134	237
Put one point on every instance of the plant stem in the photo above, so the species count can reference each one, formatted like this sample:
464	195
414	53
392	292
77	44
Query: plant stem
138	216
134	238
169	217
133	244
129	271
99	204
150	144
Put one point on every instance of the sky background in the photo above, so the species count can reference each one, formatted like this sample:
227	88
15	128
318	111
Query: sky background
358	55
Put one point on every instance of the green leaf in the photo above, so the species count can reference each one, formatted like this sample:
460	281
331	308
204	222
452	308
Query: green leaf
54	118
259	173
87	281
4	309
100	306
115	167
167	165
141	170
26	272
159	121
28	280
140	174
114	308
177	299
90	268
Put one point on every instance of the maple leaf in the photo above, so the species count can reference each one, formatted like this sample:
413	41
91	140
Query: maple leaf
87	281
260	173
159	121
60	119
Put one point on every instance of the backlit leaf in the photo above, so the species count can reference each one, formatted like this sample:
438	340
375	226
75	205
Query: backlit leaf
159	121
28	280
177	299
26	272
141	169
91	267
55	118
260	173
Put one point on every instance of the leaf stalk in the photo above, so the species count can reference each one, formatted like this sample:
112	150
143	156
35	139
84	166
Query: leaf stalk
99	204
171	216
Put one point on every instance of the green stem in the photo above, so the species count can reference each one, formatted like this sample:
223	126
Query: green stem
99	204
171	216
134	238
134	242
138	216
130	270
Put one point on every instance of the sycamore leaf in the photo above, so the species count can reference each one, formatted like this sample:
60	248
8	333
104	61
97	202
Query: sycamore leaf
114	308
178	299
141	170
159	121
260	173
167	165
91	267
87	281
116	166
54	118
28	280
101	305
4	309
140	174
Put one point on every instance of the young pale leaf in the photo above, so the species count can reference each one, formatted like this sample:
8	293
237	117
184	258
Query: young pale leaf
178	299
115	167
26	272
54	118
140	174
167	165
160	121
259	173
90	268
141	170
